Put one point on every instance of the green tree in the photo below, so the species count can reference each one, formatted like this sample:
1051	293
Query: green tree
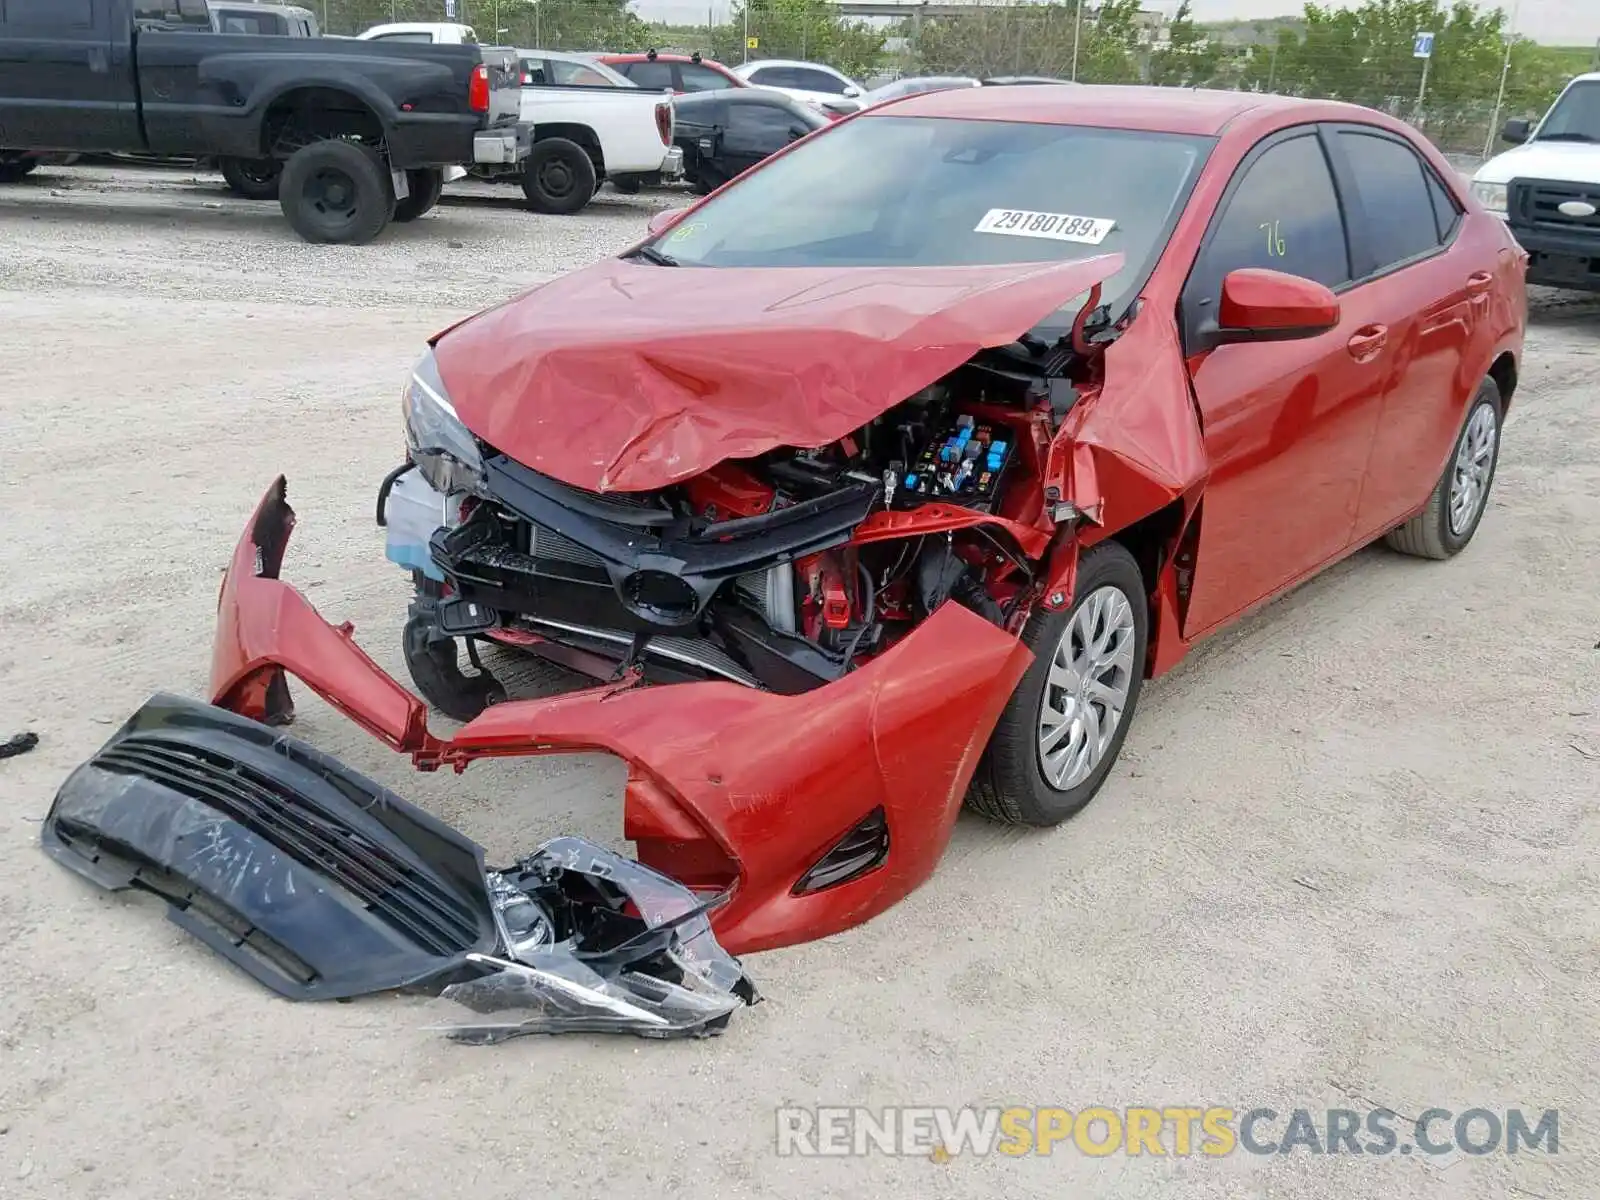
811	30
1189	58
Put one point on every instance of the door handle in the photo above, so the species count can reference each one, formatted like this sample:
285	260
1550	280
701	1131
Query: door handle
1478	284
1367	341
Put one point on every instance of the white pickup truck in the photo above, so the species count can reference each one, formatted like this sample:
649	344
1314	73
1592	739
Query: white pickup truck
1548	189
589	125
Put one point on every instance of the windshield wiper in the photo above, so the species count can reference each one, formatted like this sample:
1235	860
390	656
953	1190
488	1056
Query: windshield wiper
651	255
1572	136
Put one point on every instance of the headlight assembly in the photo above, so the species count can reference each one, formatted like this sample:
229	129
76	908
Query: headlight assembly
1492	196
443	448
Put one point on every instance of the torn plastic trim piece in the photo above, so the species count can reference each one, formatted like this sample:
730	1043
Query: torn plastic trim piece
322	885
316	881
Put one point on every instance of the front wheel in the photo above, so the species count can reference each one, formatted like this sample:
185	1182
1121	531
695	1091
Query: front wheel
423	188
254	179
1063	727
1456	506
559	177
336	191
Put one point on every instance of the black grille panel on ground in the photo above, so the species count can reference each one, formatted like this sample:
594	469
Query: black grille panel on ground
389	888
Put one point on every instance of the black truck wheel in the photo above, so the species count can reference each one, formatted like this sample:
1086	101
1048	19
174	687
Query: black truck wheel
14	165
424	187
336	191
559	177
252	178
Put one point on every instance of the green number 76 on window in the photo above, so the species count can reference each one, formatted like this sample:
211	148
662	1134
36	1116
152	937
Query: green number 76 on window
1275	246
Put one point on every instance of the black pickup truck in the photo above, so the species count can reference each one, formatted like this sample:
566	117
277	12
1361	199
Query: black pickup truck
363	130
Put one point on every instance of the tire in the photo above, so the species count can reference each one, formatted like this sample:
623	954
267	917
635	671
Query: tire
336	192
425	186
628	185
254	179
435	669
1441	530
1010	784
559	177
14	167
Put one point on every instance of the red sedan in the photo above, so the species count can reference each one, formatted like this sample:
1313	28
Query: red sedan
884	476
680	72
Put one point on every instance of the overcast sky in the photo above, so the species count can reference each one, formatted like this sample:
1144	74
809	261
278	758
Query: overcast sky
1562	22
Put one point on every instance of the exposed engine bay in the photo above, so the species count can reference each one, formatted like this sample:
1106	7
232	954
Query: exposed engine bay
781	572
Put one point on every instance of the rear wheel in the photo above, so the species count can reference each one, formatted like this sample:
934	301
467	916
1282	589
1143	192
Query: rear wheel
559	177
336	191
1456	507
423	189
1063	728
254	179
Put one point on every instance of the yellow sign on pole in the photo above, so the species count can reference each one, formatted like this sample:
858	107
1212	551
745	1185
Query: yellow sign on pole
751	43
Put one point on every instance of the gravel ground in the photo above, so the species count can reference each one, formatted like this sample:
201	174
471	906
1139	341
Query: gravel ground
1349	858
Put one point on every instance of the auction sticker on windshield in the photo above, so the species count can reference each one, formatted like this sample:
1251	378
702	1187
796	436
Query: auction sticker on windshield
1060	227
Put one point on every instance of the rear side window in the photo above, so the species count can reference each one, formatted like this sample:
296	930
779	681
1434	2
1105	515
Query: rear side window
1283	215
768	124
571	74
652	75
1445	211
701	79
404	37
1398	209
812	80
175	14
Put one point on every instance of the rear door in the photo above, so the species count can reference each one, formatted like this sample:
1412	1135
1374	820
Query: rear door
1427	290
1288	426
65	79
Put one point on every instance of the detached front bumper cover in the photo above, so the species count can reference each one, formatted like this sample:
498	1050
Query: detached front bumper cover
811	813
324	885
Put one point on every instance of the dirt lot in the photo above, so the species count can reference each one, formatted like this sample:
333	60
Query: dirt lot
1349	858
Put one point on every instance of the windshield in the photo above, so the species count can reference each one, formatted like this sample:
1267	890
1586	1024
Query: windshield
926	192
1576	115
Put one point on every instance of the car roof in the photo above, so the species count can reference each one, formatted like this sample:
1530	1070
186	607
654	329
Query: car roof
1116	106
671	58
785	62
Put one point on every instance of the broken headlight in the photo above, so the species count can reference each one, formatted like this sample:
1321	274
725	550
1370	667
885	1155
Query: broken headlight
443	448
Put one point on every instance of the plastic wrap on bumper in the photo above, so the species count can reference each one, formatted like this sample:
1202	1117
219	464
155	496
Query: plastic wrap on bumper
728	788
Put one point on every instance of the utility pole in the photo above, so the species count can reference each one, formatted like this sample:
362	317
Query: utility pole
1077	33
1505	73
746	57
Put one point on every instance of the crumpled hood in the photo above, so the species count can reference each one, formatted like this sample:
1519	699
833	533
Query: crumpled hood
628	376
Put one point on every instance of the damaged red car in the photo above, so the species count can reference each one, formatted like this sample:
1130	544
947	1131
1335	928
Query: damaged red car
882	478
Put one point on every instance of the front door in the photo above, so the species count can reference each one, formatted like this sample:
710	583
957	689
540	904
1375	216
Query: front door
1288	426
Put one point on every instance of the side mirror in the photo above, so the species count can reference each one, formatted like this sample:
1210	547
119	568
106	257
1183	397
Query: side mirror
1269	306
665	219
1516	131
852	91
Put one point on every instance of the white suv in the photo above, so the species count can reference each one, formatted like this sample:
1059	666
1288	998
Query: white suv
1548	188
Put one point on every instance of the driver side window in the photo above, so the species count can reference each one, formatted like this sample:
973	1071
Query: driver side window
1284	215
